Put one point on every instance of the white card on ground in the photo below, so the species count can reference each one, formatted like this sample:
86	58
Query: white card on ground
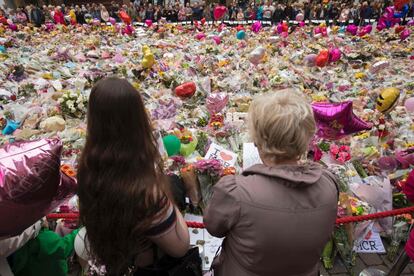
226	157
250	155
211	247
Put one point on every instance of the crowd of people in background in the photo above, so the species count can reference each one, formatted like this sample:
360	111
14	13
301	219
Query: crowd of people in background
141	10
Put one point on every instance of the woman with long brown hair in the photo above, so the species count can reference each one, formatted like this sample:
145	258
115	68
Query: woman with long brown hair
124	200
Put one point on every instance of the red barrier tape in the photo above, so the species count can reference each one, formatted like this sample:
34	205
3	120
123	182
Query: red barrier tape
344	220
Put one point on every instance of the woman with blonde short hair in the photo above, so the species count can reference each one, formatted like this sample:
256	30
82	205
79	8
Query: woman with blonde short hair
277	216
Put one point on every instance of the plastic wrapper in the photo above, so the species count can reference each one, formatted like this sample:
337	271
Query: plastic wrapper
31	183
191	184
215	102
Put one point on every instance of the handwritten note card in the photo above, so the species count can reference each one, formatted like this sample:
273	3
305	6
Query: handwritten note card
250	155
226	157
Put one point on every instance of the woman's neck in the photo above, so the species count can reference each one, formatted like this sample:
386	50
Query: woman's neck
270	163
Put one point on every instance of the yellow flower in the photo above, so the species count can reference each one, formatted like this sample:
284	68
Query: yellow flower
360	75
47	76
223	62
319	98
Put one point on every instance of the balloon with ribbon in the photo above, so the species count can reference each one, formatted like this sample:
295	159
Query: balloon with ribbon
352	29
32	183
128	30
399	4
125	17
323	58
216	102
112	20
337	120
405	34
390	18
282	27
256	26
219	12
403	12
148	23
334	54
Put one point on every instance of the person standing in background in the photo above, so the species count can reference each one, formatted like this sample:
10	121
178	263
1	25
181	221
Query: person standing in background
197	11
21	16
188	12
366	12
58	16
307	12
259	12
182	14
149	13
240	15
345	13
132	12
37	16
267	11
278	14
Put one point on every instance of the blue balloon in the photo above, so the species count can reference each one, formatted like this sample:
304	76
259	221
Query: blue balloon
241	34
2	49
10	127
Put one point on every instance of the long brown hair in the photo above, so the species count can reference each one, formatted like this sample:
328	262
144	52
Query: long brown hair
121	185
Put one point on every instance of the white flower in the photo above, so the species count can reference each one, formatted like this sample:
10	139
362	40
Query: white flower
70	104
65	96
61	100
81	105
73	110
73	95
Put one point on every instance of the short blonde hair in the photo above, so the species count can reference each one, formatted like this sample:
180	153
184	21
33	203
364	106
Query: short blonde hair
281	124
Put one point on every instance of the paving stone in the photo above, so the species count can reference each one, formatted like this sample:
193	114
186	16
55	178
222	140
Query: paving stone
386	261
339	267
323	272
382	268
411	266
359	265
371	259
408	270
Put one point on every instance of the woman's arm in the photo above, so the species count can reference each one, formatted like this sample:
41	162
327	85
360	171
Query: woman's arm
175	241
223	210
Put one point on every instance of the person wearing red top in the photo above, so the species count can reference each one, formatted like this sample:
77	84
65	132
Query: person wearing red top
58	16
409	192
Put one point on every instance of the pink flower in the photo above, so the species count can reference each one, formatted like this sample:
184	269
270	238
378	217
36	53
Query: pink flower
317	155
334	149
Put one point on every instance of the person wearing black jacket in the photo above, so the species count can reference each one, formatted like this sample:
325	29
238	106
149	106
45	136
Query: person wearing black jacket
174	13
289	12
37	16
307	12
278	14
149	13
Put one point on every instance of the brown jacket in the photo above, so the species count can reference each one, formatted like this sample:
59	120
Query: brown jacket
275	220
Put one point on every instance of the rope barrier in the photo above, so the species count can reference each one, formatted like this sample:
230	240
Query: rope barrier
339	221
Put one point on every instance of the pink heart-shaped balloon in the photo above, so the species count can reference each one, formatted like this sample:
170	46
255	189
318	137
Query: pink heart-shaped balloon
148	22
219	12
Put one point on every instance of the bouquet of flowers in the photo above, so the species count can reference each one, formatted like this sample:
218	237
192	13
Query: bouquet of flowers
73	104
208	174
340	153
